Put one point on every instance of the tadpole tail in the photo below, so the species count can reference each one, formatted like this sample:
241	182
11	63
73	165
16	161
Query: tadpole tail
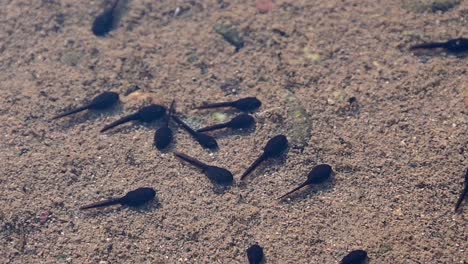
215	105
118	9
102	203
119	122
213	127
74	111
169	113
253	166
172	107
190	160
432	45
114	5
464	192
461	198
184	125
293	190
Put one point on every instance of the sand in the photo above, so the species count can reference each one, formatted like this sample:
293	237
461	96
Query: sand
399	151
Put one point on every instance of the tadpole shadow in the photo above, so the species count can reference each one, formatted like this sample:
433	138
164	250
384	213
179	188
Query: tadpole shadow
152	125
462	55
149	207
132	126
426	55
102	211
221	189
227	132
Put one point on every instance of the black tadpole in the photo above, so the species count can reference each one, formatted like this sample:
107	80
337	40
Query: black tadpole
245	104
457	45
463	193
204	140
317	175
215	174
164	136
146	114
133	198
355	257
242	121
273	149
108	20
255	254
100	102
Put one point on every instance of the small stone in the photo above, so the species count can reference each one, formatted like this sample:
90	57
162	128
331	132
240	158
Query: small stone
43	217
71	58
219	117
231	35
311	56
264	6
131	89
398	212
192	58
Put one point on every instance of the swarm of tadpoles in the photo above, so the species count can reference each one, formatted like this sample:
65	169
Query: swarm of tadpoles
106	21
163	138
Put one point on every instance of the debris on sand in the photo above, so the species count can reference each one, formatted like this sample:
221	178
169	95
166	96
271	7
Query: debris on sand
264	6
231	35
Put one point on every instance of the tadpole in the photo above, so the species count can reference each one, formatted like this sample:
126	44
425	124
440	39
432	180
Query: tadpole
146	114
242	121
457	45
133	198
319	174
245	104
102	101
204	140
463	193
355	257
273	149
108	20
255	254
215	174
164	136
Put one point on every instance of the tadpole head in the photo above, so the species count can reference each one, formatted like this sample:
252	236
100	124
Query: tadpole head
355	257
276	146
151	112
163	137
139	196
103	23
242	121
320	174
219	175
104	100
206	141
255	254
457	45
248	104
